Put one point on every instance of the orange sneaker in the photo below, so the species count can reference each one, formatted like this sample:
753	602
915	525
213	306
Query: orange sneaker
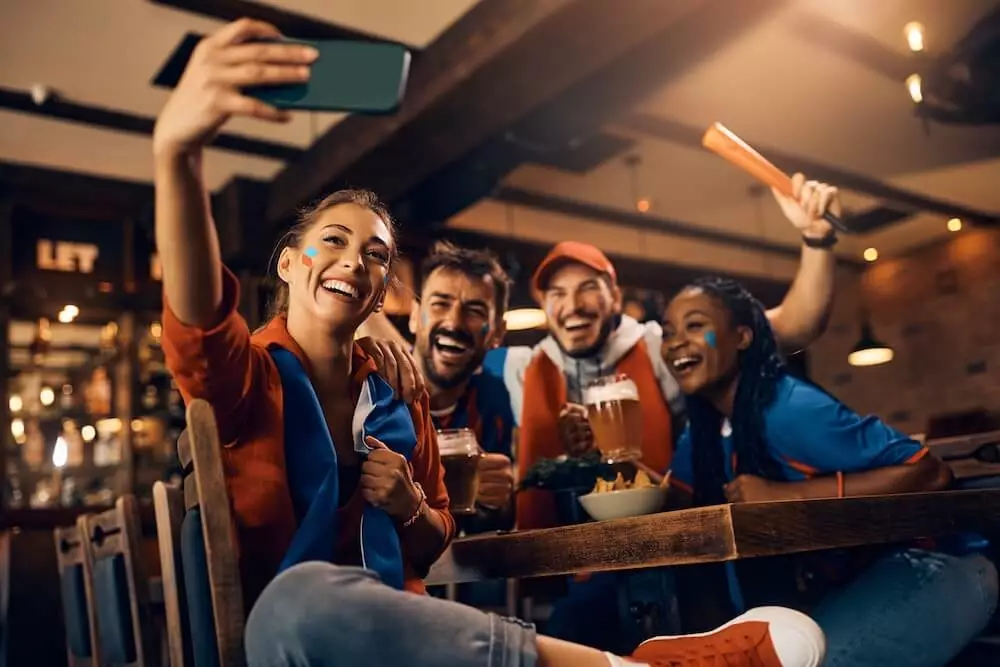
762	637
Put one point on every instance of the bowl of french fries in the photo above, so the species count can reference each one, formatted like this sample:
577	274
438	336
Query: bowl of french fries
620	498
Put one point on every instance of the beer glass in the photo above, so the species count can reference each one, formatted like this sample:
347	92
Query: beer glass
613	409
460	454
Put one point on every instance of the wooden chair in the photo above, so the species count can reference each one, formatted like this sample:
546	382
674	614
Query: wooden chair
168	504
121	589
76	582
201	578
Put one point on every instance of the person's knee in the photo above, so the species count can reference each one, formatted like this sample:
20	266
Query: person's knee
982	573
298	613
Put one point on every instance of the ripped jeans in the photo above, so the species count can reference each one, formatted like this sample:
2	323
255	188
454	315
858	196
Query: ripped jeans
913	607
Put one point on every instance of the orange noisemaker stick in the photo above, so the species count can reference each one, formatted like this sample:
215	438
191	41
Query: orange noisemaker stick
721	141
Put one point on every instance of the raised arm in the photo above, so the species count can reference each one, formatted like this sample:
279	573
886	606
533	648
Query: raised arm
805	311
207	95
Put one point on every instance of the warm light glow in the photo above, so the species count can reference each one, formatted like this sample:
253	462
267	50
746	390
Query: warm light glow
954	225
870	254
520	319
913	85
914	32
643	205
109	426
15	403
88	432
47	396
60	453
872	356
68	313
156	330
17	427
137	425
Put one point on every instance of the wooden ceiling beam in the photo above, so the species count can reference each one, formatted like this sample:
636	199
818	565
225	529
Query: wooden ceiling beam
125	121
690	137
502	61
289	23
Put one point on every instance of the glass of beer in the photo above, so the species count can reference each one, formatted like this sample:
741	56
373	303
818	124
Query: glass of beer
613	408
460	454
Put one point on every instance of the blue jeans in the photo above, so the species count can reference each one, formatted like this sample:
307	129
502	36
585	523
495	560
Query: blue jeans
317	615
915	608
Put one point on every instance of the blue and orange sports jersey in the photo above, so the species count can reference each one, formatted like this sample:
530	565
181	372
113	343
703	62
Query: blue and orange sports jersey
484	408
811	433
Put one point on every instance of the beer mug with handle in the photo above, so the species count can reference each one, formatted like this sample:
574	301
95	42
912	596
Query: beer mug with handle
460	454
613	409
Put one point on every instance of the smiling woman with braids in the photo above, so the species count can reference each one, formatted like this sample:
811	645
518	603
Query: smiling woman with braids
756	433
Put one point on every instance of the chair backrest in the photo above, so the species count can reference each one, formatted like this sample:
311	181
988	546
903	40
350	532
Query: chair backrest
168	505
76	581
120	586
207	537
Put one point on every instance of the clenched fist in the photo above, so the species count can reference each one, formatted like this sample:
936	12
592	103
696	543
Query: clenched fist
387	482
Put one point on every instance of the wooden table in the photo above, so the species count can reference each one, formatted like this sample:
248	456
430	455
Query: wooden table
717	533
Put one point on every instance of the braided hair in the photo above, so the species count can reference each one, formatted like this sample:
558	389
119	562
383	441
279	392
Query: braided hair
760	367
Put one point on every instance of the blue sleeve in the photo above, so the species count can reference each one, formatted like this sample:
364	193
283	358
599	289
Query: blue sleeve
494	361
682	467
806	426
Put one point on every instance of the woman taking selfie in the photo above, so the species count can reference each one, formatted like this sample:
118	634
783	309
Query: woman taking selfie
335	484
757	434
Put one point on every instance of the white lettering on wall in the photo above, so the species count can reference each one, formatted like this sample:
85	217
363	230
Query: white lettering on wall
66	256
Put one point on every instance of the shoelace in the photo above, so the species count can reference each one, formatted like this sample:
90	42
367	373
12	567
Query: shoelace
731	653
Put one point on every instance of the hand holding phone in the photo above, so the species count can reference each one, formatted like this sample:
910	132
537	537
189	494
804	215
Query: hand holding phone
212	88
353	76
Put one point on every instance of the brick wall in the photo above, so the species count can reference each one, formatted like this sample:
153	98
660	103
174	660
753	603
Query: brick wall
939	308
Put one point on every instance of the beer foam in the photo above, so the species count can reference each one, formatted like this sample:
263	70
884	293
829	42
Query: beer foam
623	390
461	441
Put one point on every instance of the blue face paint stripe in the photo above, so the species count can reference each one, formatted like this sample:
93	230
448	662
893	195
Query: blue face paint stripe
710	338
310	251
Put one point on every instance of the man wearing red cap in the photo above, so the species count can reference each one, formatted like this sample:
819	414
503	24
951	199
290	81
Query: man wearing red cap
590	337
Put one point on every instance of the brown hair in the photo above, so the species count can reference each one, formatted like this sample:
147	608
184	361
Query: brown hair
307	217
479	264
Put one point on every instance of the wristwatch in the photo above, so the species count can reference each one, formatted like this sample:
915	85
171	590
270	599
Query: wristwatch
827	241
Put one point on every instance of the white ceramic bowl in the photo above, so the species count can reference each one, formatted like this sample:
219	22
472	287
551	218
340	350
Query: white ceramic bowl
627	502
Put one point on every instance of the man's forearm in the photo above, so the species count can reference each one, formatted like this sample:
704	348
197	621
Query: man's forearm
379	327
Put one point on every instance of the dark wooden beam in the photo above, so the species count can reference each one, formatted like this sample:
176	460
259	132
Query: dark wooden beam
289	23
80	194
642	221
126	121
499	63
577	113
684	135
520	258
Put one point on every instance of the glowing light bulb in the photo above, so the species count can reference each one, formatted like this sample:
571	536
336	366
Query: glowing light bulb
47	396
870	254
60	453
915	89
914	33
954	225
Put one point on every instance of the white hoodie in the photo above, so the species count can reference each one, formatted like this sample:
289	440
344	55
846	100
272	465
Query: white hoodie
512	362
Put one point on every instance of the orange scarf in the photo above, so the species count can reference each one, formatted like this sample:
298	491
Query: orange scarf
545	394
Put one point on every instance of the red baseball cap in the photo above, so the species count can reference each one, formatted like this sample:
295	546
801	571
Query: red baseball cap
566	252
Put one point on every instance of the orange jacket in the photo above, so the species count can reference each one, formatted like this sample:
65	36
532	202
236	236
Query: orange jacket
234	372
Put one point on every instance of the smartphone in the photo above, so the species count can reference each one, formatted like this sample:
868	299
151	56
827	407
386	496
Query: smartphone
354	76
